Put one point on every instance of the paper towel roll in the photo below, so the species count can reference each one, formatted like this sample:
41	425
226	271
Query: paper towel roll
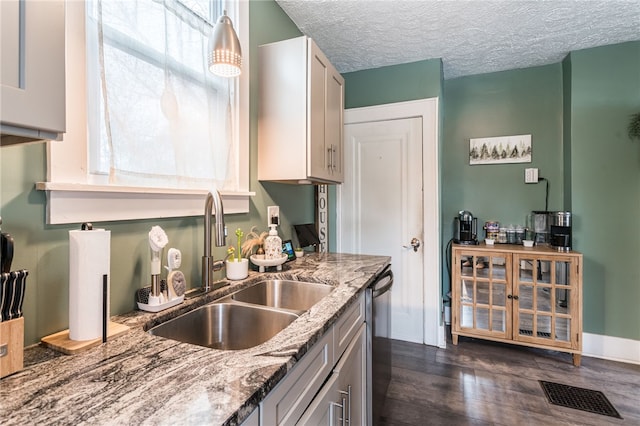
89	260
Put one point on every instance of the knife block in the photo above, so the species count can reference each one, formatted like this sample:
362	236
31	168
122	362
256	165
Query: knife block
11	346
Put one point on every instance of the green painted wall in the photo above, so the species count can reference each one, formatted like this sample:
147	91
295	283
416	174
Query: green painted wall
395	83
605	185
523	101
43	249
566	131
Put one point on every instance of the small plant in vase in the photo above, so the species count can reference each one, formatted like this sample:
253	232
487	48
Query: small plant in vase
253	241
237	267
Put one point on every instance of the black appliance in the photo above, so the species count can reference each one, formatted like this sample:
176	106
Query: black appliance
560	235
465	228
307	235
377	311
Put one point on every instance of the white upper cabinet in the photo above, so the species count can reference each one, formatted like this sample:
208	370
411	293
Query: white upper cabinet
32	74
301	110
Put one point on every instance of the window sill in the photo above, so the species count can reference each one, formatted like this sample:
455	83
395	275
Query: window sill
77	203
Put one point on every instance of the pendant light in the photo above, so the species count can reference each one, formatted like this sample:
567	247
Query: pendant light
225	55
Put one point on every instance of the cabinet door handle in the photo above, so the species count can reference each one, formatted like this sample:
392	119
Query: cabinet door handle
342	406
329	158
333	158
348	393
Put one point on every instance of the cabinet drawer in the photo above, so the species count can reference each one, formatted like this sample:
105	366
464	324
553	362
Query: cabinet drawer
347	326
286	403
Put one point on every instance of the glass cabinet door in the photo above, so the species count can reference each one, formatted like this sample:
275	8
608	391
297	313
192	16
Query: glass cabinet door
483	287
543	300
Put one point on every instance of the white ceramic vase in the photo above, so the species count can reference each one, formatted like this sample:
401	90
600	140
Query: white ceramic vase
237	270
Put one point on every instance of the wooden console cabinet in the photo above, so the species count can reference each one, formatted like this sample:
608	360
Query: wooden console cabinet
513	294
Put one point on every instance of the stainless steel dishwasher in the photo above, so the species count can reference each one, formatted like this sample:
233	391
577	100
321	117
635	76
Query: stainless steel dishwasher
378	344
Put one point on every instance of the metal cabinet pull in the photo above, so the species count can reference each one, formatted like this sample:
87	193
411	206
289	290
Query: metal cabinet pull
342	406
348	416
333	158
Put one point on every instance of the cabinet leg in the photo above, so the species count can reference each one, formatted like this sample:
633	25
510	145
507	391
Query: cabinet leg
454	339
576	359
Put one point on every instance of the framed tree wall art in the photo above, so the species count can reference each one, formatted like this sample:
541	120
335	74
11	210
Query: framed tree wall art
500	150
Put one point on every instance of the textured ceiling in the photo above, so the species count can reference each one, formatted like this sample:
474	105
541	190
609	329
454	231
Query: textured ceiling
471	37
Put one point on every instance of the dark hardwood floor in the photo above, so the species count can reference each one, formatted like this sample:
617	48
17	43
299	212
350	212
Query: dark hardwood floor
485	383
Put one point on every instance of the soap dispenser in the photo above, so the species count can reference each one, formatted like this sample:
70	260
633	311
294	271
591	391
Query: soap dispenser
272	244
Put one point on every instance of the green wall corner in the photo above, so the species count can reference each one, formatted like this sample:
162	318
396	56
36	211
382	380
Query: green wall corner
605	185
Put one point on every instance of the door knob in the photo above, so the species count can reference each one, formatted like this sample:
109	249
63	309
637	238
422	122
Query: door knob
415	244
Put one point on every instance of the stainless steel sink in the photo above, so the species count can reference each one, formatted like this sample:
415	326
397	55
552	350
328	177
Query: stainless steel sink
284	294
225	326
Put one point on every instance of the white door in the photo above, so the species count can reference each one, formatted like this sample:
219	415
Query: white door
381	209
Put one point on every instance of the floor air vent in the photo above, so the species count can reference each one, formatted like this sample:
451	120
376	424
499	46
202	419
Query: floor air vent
579	398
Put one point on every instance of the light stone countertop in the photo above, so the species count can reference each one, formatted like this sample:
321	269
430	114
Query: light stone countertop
138	378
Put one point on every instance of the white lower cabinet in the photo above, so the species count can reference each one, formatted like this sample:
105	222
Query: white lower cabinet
342	400
285	404
337	359
253	419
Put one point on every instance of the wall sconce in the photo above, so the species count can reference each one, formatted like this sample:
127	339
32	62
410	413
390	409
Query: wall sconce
225	55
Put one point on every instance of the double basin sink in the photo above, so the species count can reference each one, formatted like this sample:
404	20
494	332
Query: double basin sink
247	318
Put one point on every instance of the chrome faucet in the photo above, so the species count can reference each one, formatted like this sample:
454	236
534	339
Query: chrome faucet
209	265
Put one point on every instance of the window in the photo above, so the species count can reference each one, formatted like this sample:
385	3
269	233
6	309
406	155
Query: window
153	145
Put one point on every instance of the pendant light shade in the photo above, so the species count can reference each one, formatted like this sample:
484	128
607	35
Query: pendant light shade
225	55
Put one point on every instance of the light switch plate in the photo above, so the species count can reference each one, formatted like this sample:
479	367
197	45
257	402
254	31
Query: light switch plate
531	175
273	215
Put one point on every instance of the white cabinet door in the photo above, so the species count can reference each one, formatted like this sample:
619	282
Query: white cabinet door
352	379
253	419
32	75
334	134
344	394
326	106
317	160
322	411
286	403
300	114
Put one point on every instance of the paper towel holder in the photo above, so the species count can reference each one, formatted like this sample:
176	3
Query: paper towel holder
62	341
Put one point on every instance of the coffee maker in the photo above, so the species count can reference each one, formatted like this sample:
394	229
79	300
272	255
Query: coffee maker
465	228
538	222
560	235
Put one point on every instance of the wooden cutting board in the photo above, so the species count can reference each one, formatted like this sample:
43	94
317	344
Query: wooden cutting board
60	341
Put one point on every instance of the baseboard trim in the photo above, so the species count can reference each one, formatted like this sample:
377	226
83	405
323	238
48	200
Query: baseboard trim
611	348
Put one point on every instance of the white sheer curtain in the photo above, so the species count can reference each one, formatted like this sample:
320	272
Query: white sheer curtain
157	117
